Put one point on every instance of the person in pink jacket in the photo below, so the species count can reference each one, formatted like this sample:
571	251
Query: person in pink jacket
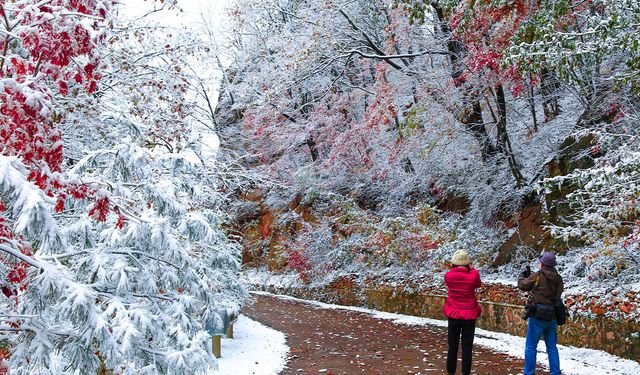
462	310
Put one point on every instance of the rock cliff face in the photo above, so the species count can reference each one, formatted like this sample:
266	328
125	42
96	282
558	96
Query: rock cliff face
264	231
574	153
529	220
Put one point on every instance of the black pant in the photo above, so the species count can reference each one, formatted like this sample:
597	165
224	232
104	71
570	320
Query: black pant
467	328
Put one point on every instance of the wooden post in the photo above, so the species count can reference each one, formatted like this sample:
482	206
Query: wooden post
230	331
216	346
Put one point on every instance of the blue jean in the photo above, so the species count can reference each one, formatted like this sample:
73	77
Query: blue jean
536	329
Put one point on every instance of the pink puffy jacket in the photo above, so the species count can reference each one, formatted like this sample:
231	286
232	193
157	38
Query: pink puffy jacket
462	302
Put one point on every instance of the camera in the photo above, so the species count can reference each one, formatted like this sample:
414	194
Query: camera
529	310
527	272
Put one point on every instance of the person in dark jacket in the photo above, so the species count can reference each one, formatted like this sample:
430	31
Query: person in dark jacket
545	286
462	310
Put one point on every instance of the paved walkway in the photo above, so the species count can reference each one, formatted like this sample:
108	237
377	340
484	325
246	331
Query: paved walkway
336	341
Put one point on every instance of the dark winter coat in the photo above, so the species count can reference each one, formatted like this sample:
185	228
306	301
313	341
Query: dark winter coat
462	302
549	281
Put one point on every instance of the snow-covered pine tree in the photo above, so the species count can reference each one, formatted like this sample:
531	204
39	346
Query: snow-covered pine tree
588	43
116	257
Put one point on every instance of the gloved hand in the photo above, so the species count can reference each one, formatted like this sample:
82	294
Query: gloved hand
526	273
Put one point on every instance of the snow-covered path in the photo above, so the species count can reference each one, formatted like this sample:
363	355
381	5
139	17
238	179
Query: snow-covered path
254	350
349	340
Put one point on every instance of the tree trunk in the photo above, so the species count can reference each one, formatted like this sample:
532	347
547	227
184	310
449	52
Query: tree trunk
532	104
475	124
504	144
407	165
549	88
313	150
472	113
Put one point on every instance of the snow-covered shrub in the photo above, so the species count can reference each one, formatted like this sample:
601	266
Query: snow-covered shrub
353	241
602	208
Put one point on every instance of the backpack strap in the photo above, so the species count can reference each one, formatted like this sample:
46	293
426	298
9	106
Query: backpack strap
535	286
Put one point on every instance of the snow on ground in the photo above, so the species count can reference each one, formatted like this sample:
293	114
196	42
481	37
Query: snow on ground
255	349
253	276
573	361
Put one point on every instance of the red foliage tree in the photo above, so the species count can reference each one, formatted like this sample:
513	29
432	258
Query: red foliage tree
486	30
47	48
